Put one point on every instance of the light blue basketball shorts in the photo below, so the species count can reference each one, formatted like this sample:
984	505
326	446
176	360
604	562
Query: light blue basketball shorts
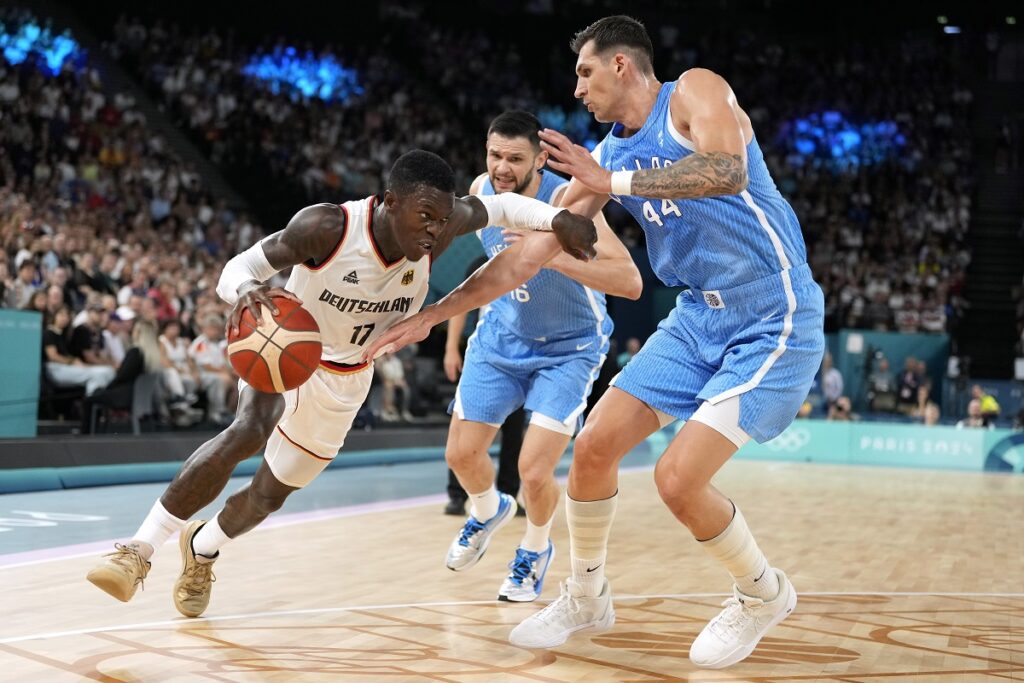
762	342
503	371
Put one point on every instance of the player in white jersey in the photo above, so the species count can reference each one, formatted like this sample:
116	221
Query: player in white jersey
734	359
358	268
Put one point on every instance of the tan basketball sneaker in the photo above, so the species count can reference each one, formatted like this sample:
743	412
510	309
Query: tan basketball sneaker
192	589
121	573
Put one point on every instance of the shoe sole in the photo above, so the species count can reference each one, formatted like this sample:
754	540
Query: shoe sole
599	626
109	584
480	555
540	589
740	655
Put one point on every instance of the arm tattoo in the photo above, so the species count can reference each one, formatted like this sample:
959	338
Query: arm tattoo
698	175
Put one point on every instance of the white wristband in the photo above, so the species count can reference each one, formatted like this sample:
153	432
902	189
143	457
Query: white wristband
251	264
622	183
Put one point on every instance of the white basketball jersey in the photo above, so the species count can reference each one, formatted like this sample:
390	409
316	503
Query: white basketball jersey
355	294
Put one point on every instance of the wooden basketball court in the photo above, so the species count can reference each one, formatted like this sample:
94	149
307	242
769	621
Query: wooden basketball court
902	574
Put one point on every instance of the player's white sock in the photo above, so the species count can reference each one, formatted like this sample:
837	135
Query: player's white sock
484	505
737	550
589	524
210	538
536	537
158	526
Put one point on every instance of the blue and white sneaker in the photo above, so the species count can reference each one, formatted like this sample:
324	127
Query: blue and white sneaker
470	543
526	580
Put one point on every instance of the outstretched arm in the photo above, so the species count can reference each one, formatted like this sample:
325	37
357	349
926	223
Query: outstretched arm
506	271
705	103
612	272
309	237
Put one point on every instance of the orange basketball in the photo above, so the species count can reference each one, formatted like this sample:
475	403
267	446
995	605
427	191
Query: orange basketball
280	354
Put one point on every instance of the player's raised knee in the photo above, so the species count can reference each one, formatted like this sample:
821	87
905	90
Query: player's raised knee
591	450
534	477
680	493
247	435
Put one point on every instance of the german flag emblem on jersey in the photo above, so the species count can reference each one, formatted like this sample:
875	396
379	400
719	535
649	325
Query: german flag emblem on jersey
408	277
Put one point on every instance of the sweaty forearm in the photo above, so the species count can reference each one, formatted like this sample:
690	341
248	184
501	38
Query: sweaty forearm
616	276
495	278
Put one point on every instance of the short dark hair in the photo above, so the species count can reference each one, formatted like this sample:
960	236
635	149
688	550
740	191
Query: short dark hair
617	31
517	123
420	167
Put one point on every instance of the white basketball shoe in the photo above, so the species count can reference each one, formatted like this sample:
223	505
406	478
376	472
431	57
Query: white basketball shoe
735	632
570	613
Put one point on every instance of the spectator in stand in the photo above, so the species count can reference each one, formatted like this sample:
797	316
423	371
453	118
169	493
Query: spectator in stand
208	352
62	367
987	404
974	418
831	381
181	376
881	386
19	291
909	382
392	375
842	411
87	343
117	334
632	348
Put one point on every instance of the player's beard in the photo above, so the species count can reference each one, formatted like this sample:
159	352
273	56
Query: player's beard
518	189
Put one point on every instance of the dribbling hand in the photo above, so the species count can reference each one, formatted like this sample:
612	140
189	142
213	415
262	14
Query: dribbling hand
254	298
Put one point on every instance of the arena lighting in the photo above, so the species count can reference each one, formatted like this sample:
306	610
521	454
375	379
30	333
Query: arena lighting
1011	20
17	43
286	70
827	139
942	19
951	29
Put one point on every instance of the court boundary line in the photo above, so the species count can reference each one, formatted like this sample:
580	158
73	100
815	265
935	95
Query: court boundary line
73	551
457	603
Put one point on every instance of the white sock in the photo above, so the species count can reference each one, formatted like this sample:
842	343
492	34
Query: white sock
737	550
484	505
158	526
536	537
210	538
589	524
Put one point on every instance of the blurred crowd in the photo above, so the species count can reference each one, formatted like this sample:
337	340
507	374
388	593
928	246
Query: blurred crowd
112	238
100	216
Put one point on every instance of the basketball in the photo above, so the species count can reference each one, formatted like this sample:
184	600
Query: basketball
280	354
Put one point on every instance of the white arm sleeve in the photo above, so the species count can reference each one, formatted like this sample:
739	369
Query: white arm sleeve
510	210
251	264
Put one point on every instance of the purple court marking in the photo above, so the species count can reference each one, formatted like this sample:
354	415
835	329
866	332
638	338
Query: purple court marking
67	552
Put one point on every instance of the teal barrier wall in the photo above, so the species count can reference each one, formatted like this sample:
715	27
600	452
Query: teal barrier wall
21	335
895	445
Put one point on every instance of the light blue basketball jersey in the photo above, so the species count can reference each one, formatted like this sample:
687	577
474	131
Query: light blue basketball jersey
549	306
713	243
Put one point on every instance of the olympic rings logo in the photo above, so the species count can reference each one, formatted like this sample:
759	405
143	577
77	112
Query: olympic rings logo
791	440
